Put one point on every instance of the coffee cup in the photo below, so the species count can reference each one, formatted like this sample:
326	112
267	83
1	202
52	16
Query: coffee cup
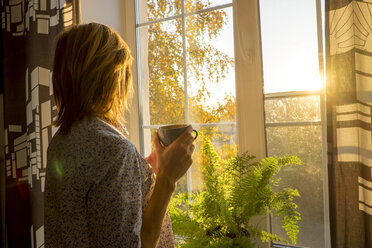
169	133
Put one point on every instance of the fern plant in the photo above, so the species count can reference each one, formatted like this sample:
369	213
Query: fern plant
235	190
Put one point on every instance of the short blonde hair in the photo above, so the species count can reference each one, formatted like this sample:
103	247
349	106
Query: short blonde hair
91	75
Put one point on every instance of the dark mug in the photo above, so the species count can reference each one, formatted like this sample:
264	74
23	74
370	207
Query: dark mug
169	133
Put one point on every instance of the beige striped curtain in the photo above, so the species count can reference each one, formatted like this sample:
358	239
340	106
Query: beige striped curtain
29	28
349	111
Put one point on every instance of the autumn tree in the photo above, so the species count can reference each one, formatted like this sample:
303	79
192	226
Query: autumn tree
206	66
166	62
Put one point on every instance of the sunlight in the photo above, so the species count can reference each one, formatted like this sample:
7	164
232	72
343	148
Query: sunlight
301	76
290	50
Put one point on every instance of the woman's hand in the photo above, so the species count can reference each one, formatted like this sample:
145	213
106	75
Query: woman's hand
174	160
171	164
152	160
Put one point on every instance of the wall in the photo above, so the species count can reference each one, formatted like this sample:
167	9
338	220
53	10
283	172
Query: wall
108	12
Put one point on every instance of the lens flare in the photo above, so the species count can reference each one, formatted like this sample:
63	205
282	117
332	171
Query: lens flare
59	169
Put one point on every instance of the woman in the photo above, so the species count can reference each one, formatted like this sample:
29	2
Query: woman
99	191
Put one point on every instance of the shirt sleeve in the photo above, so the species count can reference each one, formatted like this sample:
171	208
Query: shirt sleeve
114	205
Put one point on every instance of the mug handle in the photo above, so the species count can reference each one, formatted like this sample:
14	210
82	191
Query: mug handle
196	134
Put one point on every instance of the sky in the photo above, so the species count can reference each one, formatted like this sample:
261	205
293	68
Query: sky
289	48
289	45
225	44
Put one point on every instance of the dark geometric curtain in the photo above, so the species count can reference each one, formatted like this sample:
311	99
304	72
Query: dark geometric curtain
29	28
349	111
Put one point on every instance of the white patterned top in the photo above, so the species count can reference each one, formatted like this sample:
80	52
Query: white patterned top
96	190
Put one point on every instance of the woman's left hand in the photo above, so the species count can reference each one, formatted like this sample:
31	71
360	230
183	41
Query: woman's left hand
152	160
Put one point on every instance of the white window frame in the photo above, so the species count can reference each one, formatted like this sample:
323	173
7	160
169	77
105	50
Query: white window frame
248	74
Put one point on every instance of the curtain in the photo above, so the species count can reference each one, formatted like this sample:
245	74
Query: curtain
29	28
349	106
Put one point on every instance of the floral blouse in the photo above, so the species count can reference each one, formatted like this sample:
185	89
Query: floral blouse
96	190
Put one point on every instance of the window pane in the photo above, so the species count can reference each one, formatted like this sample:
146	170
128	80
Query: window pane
150	10
289	45
194	5
210	66
223	139
162	73
306	143
292	109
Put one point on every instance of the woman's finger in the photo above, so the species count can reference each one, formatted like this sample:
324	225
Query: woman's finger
192	148
186	136
157	144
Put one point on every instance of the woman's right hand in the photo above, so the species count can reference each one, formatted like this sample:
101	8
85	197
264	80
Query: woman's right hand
174	160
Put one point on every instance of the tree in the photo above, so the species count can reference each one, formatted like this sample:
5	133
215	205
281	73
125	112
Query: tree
166	65
205	64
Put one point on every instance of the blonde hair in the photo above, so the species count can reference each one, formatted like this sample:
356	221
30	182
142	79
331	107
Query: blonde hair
91	75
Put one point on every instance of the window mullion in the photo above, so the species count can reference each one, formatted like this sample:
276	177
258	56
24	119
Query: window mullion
217	124
219	7
293	124
292	94
249	86
323	111
184	51
248	76
133	116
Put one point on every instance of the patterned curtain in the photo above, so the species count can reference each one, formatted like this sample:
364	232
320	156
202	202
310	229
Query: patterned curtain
29	28
349	106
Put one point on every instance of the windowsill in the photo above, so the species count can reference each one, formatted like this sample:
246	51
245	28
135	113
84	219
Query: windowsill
273	245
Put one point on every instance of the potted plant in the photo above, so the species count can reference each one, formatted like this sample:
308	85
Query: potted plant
235	190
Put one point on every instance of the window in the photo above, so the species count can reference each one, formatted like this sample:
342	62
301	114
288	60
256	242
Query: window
200	63
293	104
187	73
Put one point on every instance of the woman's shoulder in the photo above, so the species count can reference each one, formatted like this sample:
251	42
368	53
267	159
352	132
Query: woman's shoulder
96	146
96	135
103	134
